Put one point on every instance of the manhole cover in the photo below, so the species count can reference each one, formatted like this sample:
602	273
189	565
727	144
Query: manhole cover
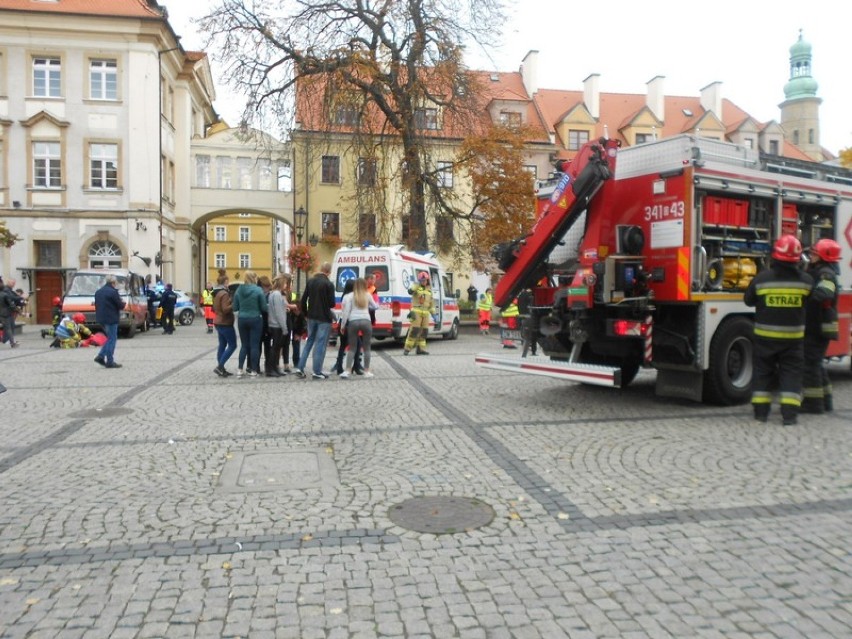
441	515
109	411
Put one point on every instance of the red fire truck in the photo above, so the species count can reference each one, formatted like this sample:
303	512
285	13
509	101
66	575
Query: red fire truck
654	246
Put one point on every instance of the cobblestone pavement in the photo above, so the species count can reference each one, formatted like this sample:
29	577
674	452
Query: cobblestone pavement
159	500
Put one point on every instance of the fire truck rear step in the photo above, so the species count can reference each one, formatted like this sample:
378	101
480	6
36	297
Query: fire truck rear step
593	374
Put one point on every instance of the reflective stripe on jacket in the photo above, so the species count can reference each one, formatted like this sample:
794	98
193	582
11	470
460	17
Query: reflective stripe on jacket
778	295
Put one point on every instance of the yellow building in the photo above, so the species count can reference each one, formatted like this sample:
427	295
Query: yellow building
241	242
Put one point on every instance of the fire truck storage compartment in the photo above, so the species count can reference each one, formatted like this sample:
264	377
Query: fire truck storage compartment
725	211
789	219
621	278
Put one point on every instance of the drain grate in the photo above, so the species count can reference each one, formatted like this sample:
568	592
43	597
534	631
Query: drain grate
441	515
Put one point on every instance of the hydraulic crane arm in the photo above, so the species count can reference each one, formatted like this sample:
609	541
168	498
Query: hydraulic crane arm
524	259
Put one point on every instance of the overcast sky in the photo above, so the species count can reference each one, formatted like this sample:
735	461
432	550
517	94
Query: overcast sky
744	44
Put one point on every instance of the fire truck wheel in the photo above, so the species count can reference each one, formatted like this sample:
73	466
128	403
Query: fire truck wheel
727	380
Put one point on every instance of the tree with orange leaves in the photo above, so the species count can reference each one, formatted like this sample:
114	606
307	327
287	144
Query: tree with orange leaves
503	199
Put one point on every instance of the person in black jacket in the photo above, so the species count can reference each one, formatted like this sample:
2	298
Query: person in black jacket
778	295
10	304
108	306
820	325
167	302
317	306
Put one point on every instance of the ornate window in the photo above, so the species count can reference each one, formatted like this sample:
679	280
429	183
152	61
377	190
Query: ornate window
104	254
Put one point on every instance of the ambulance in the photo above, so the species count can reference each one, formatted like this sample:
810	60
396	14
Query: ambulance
396	270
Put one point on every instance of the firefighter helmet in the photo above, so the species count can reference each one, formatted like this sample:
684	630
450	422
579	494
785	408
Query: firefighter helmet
57	301
787	248
827	250
423	276
79	318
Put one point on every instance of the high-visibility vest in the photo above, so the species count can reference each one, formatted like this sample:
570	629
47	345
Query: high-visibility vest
510	311
206	298
485	302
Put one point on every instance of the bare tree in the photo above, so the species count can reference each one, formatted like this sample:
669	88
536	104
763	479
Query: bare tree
398	55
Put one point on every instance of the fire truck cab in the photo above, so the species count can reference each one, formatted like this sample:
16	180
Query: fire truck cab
659	242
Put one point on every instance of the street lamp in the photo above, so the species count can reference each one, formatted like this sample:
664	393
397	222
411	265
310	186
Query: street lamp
301	218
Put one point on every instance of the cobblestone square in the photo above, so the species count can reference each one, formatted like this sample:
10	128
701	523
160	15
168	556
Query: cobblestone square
616	514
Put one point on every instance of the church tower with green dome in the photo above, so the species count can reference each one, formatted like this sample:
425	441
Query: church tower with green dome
800	109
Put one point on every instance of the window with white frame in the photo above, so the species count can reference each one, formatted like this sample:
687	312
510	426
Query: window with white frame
103	162
444	230
104	254
510	119
346	115
219	260
202	171
445	174
219	233
367	227
330	225
224	168
367	171
264	176
47	165
532	169
245	234
244	173
103	79
245	260
330	169
577	138
426	119
47	77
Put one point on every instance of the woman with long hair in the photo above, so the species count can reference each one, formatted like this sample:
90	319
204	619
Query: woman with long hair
223	321
277	325
250	304
355	320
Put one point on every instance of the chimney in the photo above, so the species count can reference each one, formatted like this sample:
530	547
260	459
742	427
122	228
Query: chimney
529	72
592	94
711	98
656	98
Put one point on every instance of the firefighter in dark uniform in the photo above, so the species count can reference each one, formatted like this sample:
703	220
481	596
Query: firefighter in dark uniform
820	325
778	295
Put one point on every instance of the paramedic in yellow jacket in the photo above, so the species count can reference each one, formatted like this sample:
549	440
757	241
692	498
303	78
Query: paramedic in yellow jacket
422	308
207	306
510	320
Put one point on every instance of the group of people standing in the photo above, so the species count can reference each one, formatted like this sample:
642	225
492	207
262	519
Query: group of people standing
259	329
795	319
270	318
